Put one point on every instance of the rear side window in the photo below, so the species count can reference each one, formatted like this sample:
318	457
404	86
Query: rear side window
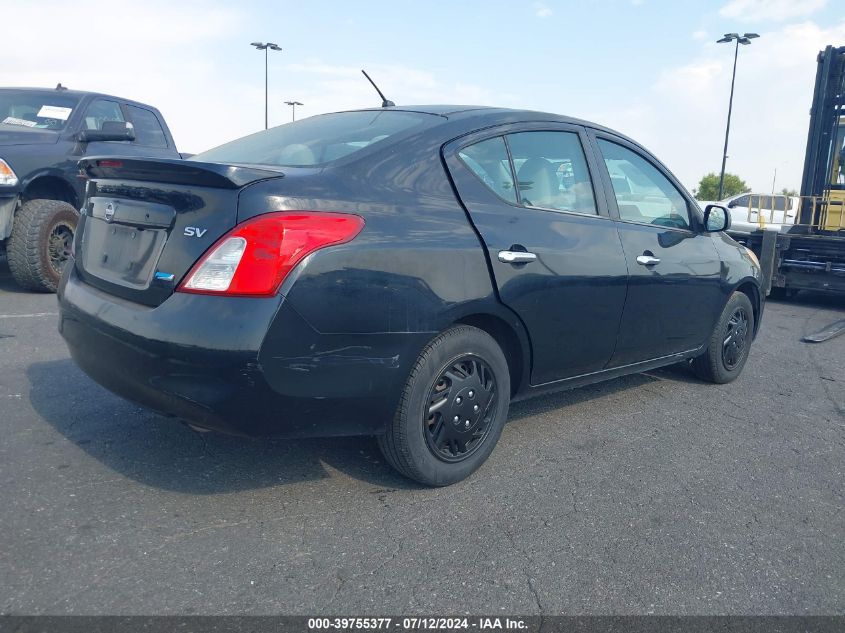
148	130
317	140
760	202
763	203
551	171
647	196
489	161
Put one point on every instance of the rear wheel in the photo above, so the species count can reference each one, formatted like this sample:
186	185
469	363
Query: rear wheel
40	244
729	345
452	410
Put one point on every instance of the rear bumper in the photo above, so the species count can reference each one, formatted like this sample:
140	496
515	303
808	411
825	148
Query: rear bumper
242	366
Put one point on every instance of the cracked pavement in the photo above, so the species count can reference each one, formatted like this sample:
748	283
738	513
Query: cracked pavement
649	494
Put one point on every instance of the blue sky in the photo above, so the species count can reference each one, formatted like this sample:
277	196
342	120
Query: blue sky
648	68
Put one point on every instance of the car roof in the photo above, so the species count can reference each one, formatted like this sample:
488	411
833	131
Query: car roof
75	93
474	117
484	116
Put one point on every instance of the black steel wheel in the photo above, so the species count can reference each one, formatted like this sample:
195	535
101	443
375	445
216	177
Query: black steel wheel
453	408
459	408
729	344
733	345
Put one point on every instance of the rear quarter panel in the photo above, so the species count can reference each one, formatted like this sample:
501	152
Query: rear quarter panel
416	265
367	308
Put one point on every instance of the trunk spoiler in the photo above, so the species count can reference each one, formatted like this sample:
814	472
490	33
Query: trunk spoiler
174	171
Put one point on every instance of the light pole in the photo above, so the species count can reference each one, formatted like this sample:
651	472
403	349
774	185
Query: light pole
293	105
261	46
740	39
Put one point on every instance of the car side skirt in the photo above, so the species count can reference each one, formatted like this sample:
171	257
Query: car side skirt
607	374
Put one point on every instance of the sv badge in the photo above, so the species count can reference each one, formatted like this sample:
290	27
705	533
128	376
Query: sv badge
193	231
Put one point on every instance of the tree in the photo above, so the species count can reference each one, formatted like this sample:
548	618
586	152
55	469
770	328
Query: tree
708	187
788	192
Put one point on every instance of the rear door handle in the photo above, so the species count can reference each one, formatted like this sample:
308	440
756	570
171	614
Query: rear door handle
648	260
516	257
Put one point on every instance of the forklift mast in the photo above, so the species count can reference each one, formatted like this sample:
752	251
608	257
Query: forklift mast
823	161
810	254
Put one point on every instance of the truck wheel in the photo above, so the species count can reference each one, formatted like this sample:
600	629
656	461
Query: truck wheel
40	244
728	347
452	410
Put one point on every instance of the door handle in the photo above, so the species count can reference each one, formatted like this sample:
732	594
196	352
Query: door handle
516	257
648	260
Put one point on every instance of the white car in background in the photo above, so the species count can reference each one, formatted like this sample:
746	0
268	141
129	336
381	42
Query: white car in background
778	211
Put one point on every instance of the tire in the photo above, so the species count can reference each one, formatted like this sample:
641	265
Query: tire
729	345
456	371
40	243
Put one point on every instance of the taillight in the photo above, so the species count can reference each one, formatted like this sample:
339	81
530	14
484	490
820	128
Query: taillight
255	257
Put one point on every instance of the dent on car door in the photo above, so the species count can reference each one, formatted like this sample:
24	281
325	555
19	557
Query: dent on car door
554	252
674	289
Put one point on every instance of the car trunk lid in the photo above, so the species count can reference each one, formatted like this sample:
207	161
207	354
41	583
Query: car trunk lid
146	221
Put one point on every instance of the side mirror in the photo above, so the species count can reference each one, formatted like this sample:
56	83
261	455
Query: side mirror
716	218
111	131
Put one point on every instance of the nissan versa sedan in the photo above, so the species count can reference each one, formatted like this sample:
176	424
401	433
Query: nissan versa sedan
403	273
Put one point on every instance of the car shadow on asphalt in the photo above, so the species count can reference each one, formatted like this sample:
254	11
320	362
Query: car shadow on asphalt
810	299
560	400
166	454
7	282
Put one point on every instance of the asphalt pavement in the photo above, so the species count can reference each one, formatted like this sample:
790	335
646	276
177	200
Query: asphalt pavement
654	493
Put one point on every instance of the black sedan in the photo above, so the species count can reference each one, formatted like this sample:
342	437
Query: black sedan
398	272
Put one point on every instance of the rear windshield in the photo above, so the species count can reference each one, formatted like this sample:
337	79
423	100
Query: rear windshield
315	141
40	110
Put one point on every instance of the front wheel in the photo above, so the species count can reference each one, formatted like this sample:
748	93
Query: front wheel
40	244
729	345
452	410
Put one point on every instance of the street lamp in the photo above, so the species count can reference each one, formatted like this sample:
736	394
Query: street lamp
293	105
740	39
261	46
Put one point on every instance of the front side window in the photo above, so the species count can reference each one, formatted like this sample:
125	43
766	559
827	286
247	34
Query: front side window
551	171
647	196
489	161
101	111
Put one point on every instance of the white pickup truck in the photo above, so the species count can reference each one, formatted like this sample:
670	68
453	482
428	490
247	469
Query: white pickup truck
778	211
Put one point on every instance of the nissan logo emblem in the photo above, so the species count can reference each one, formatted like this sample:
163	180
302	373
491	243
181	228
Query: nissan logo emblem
110	208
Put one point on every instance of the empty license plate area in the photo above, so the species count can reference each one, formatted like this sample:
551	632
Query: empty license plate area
124	255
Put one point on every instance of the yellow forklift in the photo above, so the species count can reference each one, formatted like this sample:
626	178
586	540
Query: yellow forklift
834	195
810	254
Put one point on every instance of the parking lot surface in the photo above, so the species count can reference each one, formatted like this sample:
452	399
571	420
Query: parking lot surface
653	493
